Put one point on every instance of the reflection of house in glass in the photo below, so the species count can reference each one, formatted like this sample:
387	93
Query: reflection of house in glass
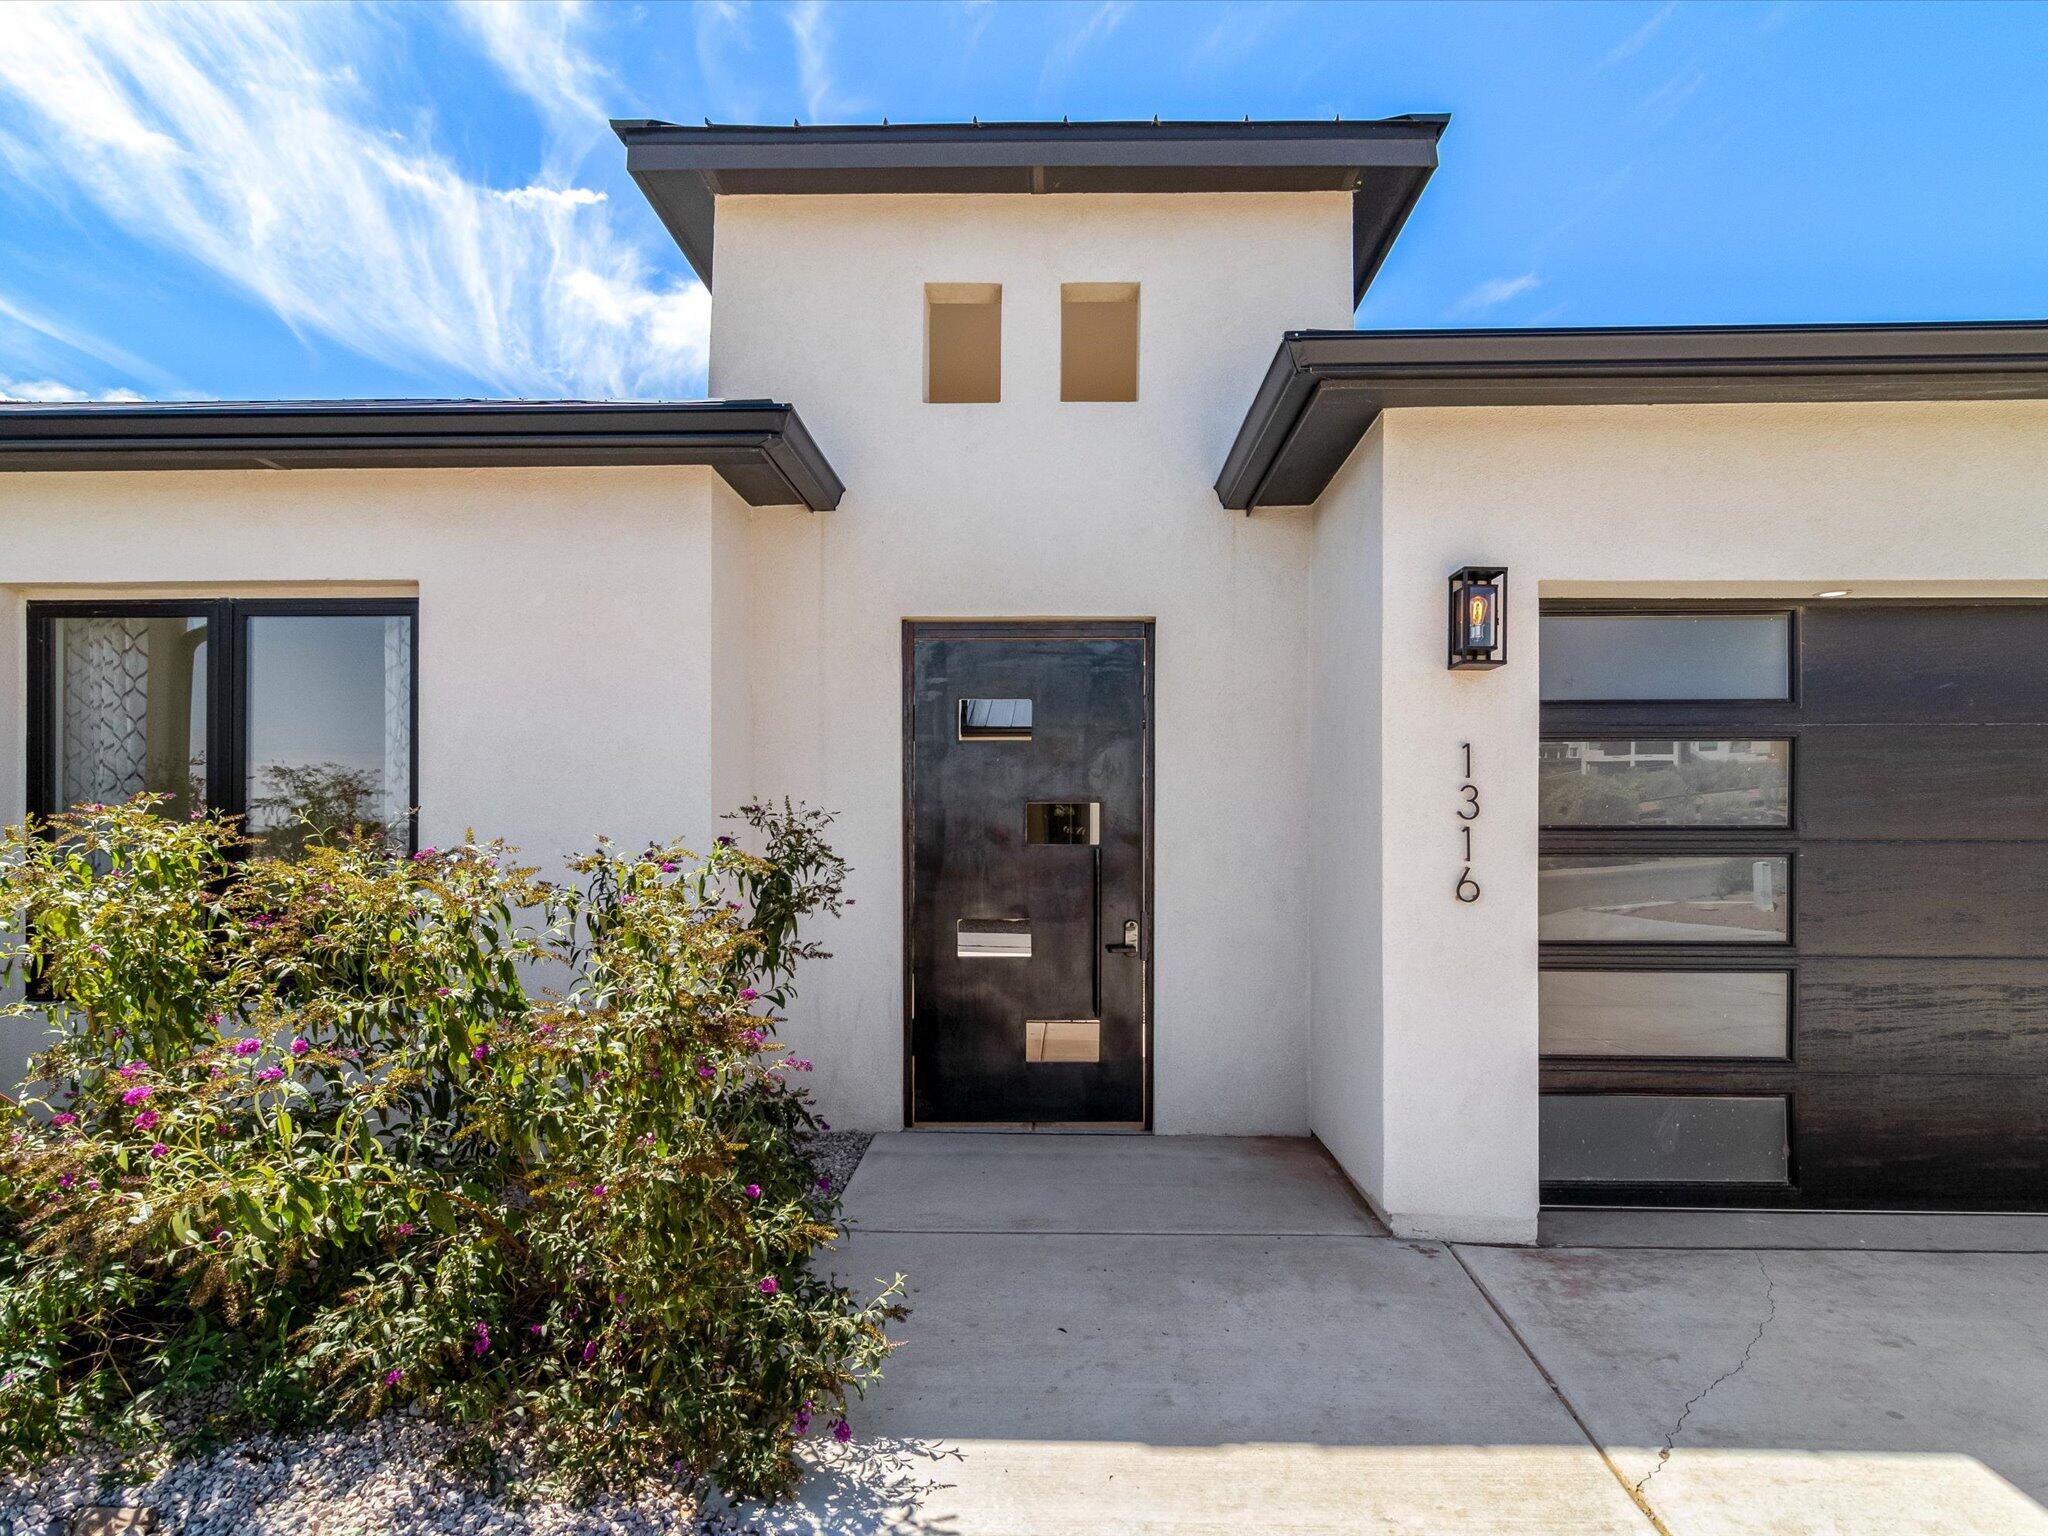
1663	782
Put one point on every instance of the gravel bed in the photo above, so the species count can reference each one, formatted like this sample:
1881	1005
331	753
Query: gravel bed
390	1475
838	1153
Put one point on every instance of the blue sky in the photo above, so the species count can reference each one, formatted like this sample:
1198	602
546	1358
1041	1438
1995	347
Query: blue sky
323	200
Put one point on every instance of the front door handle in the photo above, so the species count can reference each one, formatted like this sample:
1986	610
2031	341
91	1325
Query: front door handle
1130	943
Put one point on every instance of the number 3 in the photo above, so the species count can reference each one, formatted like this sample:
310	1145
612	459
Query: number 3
1470	810
1467	887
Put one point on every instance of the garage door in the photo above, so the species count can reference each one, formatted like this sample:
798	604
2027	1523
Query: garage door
1794	905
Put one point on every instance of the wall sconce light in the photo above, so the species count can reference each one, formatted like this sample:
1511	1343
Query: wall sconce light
1479	617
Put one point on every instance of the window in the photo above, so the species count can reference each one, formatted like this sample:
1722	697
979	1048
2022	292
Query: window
963	343
1636	783
1726	1014
1629	1138
297	715
1662	898
1098	341
1606	656
995	719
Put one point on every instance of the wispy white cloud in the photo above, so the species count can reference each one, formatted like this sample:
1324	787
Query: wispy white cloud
1635	42
722	30
810	28
1064	55
1494	292
537	45
50	392
26	333
243	139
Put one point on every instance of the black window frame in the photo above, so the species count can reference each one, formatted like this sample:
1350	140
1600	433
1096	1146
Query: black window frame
227	684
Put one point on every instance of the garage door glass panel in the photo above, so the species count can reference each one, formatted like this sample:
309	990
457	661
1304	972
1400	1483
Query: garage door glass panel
128	710
1621	898
330	728
1635	782
1665	656
1627	1138
1727	1014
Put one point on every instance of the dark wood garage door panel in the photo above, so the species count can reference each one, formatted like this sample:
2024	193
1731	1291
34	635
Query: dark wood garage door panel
1923	665
1873	782
1888	1016
1934	899
1916	1138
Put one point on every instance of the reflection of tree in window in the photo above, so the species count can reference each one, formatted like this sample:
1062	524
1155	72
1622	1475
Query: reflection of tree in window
1638	783
330	727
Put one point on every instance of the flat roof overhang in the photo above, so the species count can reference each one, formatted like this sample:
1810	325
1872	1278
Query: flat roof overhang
1383	163
1324	389
760	448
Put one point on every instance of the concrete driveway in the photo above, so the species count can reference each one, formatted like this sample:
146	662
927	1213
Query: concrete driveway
1168	1334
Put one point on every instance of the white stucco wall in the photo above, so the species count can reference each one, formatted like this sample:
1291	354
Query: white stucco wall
1036	508
1345	917
568	629
1947	499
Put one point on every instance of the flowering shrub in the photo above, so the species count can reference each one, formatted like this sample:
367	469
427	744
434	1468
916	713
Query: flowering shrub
320	1133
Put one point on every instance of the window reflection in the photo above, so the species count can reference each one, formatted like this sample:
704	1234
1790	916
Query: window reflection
1664	783
330	728
1665	656
1662	898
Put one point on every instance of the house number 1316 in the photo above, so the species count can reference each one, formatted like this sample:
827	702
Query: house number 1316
1467	889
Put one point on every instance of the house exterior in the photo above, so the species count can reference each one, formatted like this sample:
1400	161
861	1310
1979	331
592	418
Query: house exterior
1102	588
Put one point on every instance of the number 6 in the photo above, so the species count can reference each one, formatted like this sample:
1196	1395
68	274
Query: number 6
1467	889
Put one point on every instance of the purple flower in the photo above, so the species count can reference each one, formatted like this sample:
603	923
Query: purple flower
753	1191
393	1377
444	992
647	1140
706	1071
423	855
270	1074
668	866
158	1150
64	1180
798	1065
301	1045
146	1121
133	1069
405	1229
248	1047
748	994
598	1191
802	1422
216	1019
768	1286
136	1094
841	1431
825	1183
220	1234
67	1118
590	1352
95	949
752	1036
483	1339
725	842
478	1053
824	1125
535	1329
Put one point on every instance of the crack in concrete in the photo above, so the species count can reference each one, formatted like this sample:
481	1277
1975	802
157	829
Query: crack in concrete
1671	1436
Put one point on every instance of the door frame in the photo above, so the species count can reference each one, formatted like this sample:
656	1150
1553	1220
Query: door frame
1036	629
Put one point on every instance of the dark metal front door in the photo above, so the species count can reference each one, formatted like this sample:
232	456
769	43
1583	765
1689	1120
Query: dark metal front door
1028	914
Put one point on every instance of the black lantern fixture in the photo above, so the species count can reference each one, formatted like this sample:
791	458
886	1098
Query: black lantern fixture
1479	617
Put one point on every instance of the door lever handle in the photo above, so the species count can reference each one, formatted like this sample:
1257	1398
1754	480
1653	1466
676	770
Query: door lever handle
1130	943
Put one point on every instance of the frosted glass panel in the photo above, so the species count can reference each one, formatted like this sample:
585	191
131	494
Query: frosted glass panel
1629	1138
1664	1013
1666	656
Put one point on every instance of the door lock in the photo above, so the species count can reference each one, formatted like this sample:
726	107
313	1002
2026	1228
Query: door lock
1130	943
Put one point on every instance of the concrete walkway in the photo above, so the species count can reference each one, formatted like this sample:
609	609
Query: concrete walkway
1195	1335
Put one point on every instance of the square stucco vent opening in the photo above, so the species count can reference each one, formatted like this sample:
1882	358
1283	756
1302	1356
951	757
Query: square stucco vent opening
963	343
1098	341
